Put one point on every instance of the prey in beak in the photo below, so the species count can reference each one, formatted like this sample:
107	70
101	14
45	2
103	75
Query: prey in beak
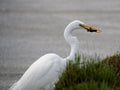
90	28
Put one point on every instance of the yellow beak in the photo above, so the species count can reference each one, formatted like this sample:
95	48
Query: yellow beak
90	28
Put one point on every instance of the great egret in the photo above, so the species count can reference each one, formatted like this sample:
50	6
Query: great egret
45	71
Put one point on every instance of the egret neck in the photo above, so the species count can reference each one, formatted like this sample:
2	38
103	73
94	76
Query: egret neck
72	41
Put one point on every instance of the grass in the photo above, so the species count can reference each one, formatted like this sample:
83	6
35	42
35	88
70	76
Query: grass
91	75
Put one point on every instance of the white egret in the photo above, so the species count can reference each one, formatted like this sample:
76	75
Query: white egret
46	70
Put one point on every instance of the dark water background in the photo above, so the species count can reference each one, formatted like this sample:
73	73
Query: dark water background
32	28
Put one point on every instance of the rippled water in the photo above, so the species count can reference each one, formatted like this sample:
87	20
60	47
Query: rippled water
32	28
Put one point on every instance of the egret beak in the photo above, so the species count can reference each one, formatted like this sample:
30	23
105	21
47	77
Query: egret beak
90	28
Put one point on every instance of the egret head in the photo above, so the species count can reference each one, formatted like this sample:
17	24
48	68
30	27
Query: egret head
78	24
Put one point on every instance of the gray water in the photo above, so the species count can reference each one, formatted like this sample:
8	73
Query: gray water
32	28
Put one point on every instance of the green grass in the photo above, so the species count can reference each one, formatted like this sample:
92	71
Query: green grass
91	75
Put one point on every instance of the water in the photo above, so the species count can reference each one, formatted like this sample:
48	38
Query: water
32	28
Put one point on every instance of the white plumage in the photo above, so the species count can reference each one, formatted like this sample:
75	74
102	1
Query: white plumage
44	72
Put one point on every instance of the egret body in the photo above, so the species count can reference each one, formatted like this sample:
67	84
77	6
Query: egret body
45	71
